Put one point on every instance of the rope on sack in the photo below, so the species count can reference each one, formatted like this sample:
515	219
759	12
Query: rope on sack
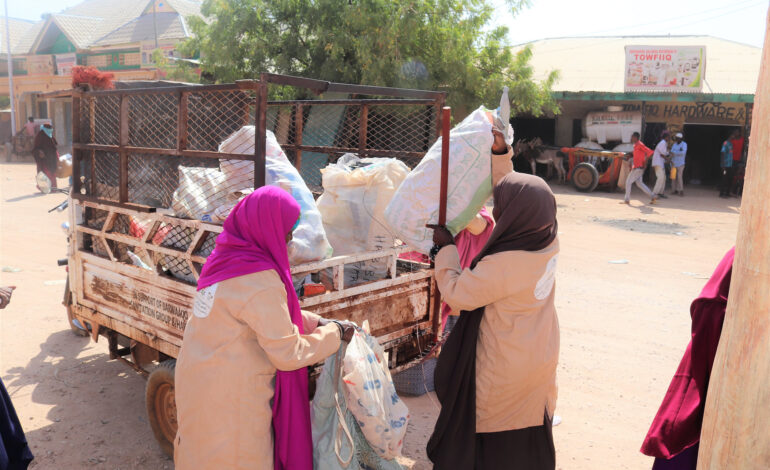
342	424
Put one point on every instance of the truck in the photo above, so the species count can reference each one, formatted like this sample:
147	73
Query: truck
130	145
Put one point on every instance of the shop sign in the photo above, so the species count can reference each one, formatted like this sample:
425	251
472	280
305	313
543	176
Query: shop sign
665	68
64	63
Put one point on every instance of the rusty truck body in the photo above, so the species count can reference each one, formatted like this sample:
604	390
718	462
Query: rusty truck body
129	146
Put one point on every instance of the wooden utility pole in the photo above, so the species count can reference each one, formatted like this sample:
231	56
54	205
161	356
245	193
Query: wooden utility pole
736	425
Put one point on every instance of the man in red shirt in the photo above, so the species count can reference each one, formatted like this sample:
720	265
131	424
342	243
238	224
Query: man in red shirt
641	154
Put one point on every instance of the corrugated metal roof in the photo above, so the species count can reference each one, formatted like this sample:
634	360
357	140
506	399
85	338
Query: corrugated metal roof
20	31
597	64
143	29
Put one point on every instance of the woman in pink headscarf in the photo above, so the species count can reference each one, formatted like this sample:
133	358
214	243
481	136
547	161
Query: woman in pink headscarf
241	376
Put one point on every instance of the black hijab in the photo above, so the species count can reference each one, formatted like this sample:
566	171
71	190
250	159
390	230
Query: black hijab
525	214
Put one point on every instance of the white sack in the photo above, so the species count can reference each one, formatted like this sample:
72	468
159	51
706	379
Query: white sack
310	242
416	202
356	193
371	396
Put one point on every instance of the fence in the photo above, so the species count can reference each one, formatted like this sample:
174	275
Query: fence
157	150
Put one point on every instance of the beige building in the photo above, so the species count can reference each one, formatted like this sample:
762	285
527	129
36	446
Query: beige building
118	36
592	78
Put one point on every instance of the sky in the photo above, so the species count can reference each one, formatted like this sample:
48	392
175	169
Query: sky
738	20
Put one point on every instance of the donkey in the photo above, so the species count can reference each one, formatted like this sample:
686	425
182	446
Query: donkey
535	152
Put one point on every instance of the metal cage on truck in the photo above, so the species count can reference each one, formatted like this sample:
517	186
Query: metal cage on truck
130	146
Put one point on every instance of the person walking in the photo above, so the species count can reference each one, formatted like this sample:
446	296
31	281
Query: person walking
678	156
496	374
727	165
659	165
640	155
241	377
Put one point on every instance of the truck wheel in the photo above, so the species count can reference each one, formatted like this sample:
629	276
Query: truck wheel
161	407
585	177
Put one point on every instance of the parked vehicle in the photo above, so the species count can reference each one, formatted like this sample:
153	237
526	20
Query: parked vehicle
590	169
130	145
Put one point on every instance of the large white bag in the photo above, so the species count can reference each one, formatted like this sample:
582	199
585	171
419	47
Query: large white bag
200	192
371	396
356	193
310	242
416	202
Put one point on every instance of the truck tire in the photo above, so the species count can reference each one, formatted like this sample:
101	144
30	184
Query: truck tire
161	407
585	177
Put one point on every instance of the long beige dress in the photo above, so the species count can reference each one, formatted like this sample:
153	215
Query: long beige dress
518	344
240	334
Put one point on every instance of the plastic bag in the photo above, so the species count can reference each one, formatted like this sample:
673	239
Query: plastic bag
337	439
310	242
200	192
416	202
371	396
64	166
356	193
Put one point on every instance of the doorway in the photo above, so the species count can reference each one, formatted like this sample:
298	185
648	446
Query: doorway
529	128
704	145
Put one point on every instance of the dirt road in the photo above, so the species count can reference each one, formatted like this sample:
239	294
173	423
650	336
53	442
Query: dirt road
626	278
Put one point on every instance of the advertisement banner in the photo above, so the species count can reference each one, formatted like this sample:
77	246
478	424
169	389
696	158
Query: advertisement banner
665	68
64	63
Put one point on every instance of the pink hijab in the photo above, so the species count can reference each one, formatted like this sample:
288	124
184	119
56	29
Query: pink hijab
254	240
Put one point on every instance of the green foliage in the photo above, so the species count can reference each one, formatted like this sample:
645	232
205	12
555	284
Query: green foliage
178	71
428	44
5	102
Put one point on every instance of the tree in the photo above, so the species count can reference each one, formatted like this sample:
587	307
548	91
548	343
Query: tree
179	71
430	44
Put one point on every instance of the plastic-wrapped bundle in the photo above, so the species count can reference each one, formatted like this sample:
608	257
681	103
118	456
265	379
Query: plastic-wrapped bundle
416	203
310	242
356	193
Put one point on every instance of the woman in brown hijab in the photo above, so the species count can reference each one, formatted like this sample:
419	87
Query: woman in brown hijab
496	375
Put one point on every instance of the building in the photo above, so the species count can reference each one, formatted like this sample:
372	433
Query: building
118	36
593	75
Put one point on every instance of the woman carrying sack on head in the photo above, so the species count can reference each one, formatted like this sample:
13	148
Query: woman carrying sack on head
241	377
496	375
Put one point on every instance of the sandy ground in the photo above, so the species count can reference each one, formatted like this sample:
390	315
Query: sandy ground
626	278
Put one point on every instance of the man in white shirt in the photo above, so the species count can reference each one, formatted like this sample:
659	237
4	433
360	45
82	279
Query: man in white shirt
678	155
659	163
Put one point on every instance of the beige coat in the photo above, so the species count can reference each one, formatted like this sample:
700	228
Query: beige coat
518	344
239	335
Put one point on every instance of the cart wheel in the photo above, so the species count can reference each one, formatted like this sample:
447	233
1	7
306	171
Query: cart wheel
585	177
161	407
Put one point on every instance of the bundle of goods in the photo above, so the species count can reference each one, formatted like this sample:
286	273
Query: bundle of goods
356	193
310	242
358	419
209	194
416	203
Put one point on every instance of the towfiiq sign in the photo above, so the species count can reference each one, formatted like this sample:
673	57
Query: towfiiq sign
665	68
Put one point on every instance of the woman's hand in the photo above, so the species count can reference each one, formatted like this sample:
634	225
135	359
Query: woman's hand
348	330
441	236
499	146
